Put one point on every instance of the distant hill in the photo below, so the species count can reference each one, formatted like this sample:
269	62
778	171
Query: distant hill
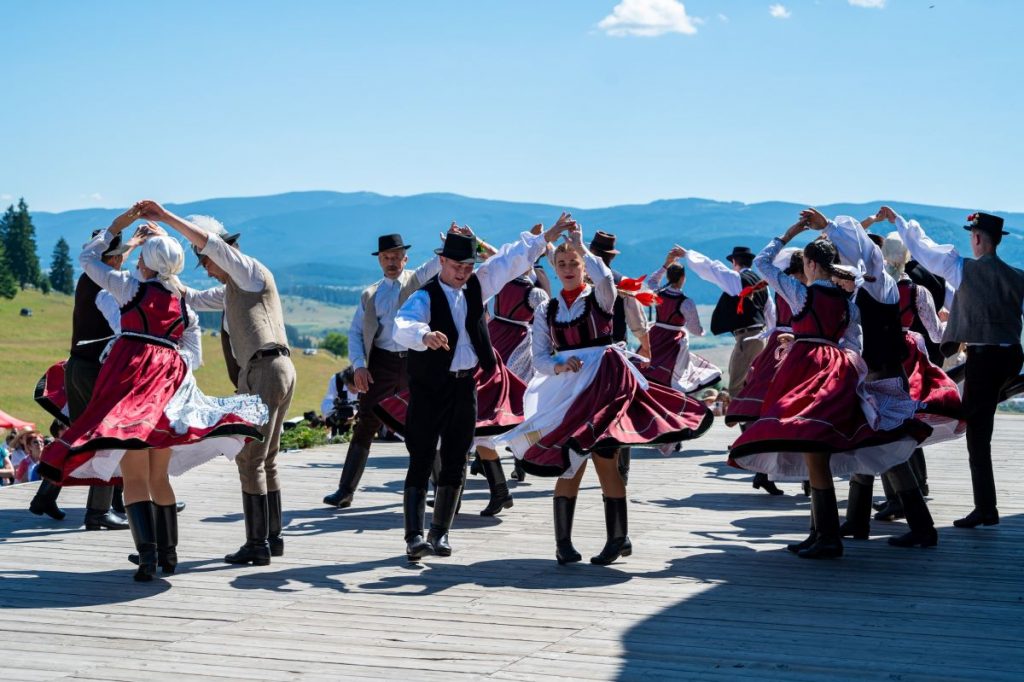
325	238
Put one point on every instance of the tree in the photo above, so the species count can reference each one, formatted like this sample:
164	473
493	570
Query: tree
335	343
62	273
8	285
19	237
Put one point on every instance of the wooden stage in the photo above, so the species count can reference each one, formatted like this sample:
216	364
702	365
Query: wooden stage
709	592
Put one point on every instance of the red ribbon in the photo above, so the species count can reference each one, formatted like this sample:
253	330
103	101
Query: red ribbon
648	298
747	292
631	285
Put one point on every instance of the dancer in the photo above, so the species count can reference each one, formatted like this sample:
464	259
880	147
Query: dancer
148	418
253	318
380	362
986	315
443	325
588	398
818	420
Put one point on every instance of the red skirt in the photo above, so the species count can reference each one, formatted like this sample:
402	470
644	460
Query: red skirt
505	337
146	398
499	403
941	406
746	405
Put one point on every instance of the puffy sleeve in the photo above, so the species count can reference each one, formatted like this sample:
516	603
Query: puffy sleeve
413	321
543	347
940	259
120	283
636	320
537	298
192	341
852	339
689	311
789	287
925	305
603	280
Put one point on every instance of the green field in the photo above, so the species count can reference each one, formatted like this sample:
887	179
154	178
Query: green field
28	345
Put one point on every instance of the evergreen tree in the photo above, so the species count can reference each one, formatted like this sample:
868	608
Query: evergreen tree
62	273
8	285
19	237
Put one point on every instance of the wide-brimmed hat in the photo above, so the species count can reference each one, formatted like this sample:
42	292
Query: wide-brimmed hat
459	247
116	247
388	242
986	222
603	243
740	251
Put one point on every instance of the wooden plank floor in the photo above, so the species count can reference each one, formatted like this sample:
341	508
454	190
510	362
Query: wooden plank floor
709	592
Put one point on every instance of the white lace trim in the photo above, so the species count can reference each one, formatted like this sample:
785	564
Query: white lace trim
189	408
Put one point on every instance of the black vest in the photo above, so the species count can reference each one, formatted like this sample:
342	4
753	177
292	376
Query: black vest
618	313
884	345
87	322
726	319
433	366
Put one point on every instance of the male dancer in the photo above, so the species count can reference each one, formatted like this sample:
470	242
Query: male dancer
379	362
445	327
253	318
986	315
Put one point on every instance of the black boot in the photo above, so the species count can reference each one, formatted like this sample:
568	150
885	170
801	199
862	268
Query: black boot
274	538
828	544
920	467
858	511
142	520
761	481
806	487
256	550
565	510
617	528
166	516
978	517
811	538
891	509
351	473
414	509
446	500
624	458
117	500
98	514
475	467
45	501
517	472
922	527
179	506
501	498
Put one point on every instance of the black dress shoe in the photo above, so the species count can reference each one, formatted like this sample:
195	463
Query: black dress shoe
978	518
890	511
807	542
99	520
340	498
761	481
926	538
823	548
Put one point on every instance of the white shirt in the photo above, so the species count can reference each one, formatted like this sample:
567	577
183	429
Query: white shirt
855	247
243	270
385	303
724	277
327	404
413	319
121	286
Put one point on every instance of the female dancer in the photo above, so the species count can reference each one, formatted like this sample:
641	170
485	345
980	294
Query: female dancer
588	398
148	418
672	362
817	420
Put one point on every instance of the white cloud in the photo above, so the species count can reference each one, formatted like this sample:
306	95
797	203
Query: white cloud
779	11
876	4
6	197
648	18
724	19
95	196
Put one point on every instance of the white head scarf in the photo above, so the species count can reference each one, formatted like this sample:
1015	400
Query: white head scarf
896	255
165	256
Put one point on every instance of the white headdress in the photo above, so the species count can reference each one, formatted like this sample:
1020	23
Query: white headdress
165	256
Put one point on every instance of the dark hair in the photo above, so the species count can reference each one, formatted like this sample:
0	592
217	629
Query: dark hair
823	252
993	237
675	273
796	264
745	260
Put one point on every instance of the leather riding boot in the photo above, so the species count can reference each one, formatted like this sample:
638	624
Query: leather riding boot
414	509
475	466
858	509
351	473
256	550
624	458
617	529
891	509
117	500
828	544
808	541
922	527
435	476
45	501
167	537
920	467
565	510
761	481
98	514
274	537
518	474
142	520
446	500
501	498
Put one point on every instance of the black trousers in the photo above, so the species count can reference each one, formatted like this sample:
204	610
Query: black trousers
988	370
80	377
389	377
444	410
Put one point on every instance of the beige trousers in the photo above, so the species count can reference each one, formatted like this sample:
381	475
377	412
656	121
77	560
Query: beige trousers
273	380
743	354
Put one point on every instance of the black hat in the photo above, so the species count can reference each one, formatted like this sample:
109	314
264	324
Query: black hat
390	241
603	243
116	246
459	247
740	251
986	222
229	239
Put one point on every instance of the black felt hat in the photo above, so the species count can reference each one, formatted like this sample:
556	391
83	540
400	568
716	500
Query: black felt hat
459	247
388	242
986	222
743	251
603	243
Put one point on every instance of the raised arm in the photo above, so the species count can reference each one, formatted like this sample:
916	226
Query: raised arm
515	258
940	259
789	287
854	246
210	300
716	272
120	283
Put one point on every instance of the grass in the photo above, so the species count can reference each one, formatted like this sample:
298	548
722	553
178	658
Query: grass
29	345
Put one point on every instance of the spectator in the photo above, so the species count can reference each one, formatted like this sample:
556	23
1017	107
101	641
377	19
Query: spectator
32	444
339	403
6	466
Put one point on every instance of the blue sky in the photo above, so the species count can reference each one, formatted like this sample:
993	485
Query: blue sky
108	102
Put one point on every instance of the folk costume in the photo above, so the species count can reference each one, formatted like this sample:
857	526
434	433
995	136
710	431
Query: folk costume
442	383
372	346
986	315
510	324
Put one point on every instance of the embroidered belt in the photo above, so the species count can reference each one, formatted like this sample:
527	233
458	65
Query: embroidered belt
521	323
593	343
818	340
150	339
672	327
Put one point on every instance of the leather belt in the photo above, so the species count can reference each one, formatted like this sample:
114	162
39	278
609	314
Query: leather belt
747	330
271	353
462	373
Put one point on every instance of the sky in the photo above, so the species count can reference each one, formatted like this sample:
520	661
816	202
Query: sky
571	102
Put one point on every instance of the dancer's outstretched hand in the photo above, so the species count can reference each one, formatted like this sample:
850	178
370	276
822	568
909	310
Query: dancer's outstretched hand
435	341
814	219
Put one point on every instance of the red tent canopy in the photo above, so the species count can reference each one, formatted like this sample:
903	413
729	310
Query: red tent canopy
9	422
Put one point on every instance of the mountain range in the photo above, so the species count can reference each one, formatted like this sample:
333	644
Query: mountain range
325	238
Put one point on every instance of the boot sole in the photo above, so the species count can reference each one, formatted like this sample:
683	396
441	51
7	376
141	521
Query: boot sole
624	553
494	512
243	562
